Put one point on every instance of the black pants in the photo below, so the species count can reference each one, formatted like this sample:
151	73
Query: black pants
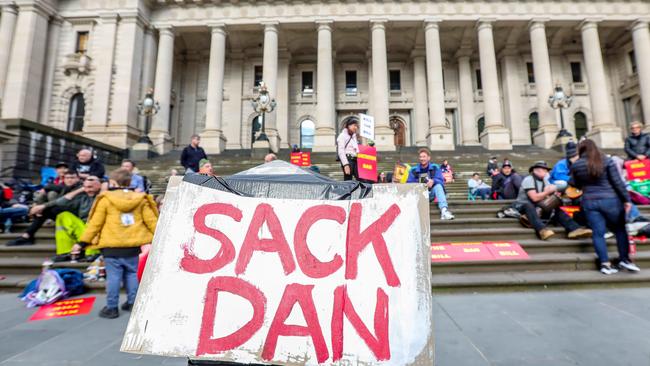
38	221
558	216
353	170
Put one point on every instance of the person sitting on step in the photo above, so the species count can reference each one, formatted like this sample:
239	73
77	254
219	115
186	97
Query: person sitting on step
560	174
505	185
478	187
535	189
431	175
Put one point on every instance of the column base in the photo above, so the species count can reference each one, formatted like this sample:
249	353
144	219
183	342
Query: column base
162	142
142	151
496	138
213	141
607	137
384	139
324	141
260	149
545	137
440	139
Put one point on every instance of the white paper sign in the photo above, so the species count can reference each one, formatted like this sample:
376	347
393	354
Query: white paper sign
288	282
366	126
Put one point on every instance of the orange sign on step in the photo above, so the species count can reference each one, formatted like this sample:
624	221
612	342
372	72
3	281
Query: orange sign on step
64	308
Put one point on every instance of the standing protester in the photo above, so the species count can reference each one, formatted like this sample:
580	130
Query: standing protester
87	165
123	221
605	202
637	144
347	148
192	154
431	175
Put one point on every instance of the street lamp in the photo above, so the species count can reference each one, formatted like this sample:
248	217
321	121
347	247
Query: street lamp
262	104
559	100
148	107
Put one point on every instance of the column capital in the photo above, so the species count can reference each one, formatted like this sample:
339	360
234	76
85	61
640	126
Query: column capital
431	23
378	23
57	20
217	28
132	17
589	23
8	8
324	24
418	52
464	52
165	30
271	26
41	8
537	23
108	17
641	23
484	23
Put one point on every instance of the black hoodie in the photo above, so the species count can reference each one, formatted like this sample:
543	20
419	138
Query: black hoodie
93	167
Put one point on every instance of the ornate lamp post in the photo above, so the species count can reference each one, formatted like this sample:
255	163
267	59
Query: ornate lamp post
559	100
262	104
148	107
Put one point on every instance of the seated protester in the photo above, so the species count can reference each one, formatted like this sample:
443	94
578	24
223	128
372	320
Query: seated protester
534	189
71	222
51	191
492	167
10	209
560	174
205	167
431	175
86	165
270	157
121	221
137	181
505	185
478	187
47	211
445	167
637	144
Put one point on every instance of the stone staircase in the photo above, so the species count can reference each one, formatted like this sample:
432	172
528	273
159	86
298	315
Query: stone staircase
557	263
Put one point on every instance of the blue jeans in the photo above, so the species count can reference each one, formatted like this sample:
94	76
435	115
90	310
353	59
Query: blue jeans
118	270
484	193
439	192
607	213
10	213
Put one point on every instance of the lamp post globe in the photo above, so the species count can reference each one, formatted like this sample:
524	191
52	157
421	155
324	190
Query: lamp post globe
560	100
147	107
262	103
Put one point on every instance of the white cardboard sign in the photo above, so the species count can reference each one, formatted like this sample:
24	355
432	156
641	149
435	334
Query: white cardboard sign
367	126
288	282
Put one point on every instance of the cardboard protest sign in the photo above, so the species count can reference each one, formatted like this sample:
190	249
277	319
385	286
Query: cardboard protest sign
476	251
286	281
401	173
367	163
570	210
366	126
301	158
64	308
638	169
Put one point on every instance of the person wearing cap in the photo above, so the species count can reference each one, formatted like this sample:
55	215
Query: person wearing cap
347	148
637	144
534	189
560	174
505	185
605	202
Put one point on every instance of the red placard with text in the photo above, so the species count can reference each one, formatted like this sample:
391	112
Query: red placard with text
64	308
506	250
638	169
301	158
367	163
570	210
476	251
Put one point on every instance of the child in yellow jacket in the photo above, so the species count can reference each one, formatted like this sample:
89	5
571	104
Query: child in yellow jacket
120	222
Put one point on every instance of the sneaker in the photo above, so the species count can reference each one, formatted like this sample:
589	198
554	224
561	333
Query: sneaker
606	269
446	215
609	235
629	266
109	313
20	241
126	306
545	234
582	233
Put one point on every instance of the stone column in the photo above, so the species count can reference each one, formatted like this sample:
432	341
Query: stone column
162	92
641	39
149	53
439	137
466	98
50	68
384	135
270	77
7	26
495	136
512	102
104	43
26	65
325	110
604	131
546	135
420	112
213	138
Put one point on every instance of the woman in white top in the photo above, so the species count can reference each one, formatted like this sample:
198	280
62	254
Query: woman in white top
347	148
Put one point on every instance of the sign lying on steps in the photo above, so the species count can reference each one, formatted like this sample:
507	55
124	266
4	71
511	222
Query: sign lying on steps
477	251
64	308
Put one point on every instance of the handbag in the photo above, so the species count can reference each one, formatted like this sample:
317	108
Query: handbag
573	192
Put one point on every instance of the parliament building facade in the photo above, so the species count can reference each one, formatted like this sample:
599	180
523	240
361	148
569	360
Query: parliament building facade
439	74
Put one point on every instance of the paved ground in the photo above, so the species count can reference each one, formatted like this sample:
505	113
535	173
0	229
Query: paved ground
540	328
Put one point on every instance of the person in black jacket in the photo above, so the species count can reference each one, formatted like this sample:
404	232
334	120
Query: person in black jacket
87	165
637	145
506	184
605	202
192	154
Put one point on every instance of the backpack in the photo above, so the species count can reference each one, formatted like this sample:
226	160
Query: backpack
511	186
508	211
53	285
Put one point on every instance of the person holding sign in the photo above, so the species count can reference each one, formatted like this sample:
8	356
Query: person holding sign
431	175
347	148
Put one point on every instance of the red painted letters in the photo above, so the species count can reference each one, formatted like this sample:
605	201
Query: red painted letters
309	264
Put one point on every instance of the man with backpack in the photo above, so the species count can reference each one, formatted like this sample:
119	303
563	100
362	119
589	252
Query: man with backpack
505	185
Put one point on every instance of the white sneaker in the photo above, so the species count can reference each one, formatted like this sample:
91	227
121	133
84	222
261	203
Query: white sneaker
629	266
609	235
446	215
607	269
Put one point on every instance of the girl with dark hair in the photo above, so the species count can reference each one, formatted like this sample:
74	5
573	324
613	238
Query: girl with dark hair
605	202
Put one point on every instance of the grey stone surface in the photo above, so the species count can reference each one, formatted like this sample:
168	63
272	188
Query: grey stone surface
591	328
